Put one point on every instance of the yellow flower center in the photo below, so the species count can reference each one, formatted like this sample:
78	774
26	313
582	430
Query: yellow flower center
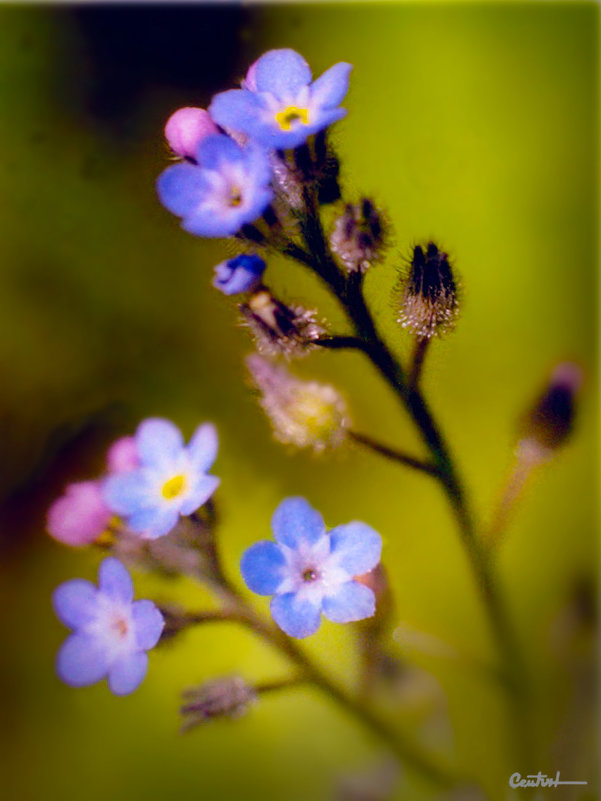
292	114
173	487
235	198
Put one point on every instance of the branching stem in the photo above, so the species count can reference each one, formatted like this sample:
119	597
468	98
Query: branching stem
395	455
348	289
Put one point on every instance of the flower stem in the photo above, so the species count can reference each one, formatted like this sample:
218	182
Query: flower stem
525	464
417	360
405	750
348	289
236	609
392	453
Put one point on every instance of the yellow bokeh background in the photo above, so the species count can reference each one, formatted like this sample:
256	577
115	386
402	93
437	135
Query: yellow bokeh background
472	124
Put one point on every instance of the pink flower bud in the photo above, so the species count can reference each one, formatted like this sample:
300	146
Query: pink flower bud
122	455
80	515
186	128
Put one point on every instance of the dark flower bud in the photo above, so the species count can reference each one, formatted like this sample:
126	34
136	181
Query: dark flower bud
358	236
428	294
278	328
550	421
229	696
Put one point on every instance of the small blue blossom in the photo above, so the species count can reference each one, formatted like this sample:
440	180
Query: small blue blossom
227	188
171	479
240	274
111	631
279	106
311	571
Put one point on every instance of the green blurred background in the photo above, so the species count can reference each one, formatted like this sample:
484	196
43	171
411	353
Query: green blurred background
474	124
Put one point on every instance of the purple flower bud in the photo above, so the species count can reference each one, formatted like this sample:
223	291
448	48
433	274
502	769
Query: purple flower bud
79	516
186	128
551	419
240	274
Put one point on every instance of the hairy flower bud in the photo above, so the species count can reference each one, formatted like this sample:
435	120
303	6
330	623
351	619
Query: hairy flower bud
550	421
278	328
358	236
229	696
303	413
428	294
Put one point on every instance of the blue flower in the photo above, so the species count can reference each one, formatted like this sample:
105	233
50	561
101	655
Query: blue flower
171	479
310	571
240	274
227	188
111	632
279	106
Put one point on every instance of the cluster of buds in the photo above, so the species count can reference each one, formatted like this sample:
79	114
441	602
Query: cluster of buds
428	304
306	414
358	236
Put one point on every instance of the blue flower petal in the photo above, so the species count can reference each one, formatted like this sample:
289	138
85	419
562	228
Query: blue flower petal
204	487
216	150
258	166
233	281
326	118
81	661
115	581
283	73
179	188
125	493
295	520
127	673
159	442
148	623
261	567
261	199
75	602
209	222
203	446
237	110
331	87
154	522
351	601
297	617
358	545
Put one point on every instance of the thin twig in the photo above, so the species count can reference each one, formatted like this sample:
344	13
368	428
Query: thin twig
395	455
417	360
526	461
341	342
